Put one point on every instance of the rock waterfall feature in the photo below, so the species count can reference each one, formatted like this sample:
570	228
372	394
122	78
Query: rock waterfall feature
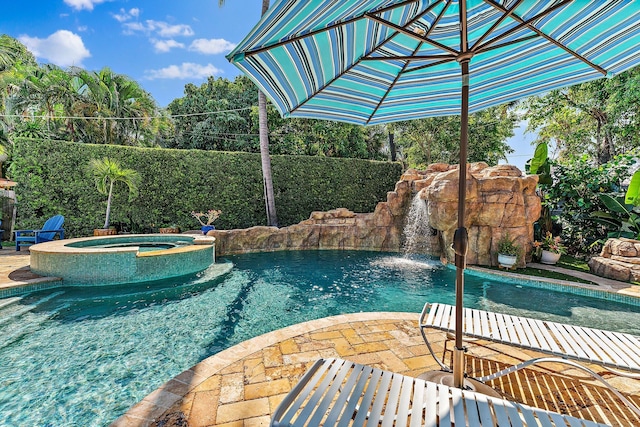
500	200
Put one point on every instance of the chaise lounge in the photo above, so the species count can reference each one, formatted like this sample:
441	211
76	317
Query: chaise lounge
617	352
336	392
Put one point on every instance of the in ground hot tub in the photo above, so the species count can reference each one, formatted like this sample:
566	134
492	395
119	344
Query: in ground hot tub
122	259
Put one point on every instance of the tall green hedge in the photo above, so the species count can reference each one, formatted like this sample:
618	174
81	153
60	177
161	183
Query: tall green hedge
53	178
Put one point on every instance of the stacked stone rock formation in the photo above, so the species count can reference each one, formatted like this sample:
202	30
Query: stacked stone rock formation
618	260
499	201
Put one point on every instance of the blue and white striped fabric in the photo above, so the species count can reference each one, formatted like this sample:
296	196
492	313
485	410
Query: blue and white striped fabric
377	61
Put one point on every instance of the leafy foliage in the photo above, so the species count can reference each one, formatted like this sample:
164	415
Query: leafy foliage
600	118
575	196
437	139
175	182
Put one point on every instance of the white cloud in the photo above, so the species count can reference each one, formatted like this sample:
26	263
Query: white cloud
62	48
83	28
124	15
163	29
83	4
186	70
165	45
212	46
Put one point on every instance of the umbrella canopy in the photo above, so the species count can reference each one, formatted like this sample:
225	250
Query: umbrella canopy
378	61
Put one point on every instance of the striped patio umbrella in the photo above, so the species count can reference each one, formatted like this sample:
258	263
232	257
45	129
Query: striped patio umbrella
378	61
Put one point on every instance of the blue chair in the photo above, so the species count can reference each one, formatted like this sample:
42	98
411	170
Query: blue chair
47	233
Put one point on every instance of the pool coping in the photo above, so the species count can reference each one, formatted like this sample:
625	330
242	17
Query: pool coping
164	397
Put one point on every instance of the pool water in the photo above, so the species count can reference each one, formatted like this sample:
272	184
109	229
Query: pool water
83	356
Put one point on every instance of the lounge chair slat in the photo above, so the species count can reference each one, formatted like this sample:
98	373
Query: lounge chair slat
511	336
484	321
543	418
457	403
628	347
528	416
365	402
444	407
587	344
543	333
568	344
603	349
392	401
347	397
331	391
520	330
471	409
419	389
484	409
513	412
431	405
500	412
495	330
306	386
477	326
378	403
627	352
532	337
430	320
467	319
405	402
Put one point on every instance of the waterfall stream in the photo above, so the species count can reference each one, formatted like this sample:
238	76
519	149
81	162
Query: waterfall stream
418	234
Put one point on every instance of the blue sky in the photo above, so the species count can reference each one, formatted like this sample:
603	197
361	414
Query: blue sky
162	44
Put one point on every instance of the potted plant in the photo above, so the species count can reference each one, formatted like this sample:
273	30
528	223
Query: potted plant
549	249
206	219
106	173
508	251
169	229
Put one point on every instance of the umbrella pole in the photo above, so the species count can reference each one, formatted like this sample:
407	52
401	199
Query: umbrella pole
461	237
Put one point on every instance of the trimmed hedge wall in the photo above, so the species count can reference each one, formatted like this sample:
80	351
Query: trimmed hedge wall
53	178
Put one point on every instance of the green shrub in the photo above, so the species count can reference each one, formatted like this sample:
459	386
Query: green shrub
53	178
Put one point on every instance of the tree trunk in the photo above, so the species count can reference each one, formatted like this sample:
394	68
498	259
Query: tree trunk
272	218
106	219
392	146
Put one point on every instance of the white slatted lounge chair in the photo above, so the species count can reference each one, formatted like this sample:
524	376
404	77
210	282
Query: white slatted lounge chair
337	392
617	352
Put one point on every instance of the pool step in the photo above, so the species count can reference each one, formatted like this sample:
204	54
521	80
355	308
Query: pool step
8	301
28	324
20	310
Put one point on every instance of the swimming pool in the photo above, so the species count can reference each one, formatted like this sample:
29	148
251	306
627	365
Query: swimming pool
83	356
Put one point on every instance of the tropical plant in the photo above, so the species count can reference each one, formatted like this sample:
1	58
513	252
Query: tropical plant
621	219
574	196
106	173
549	243
508	246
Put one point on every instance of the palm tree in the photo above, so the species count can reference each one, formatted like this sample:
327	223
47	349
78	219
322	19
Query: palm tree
106	173
272	218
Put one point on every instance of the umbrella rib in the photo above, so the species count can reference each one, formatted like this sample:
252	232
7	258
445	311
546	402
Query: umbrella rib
495	25
409	33
408	57
549	38
325	29
422	67
523	23
404	67
498	46
330	82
